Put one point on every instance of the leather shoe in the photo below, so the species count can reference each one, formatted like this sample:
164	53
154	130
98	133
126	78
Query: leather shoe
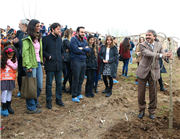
106	90
141	115
109	93
59	102
95	88
163	89
151	116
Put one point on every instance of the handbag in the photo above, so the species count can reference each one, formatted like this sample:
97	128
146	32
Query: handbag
66	57
29	87
121	57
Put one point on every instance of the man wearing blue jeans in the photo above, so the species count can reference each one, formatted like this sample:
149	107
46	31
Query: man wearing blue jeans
79	48
131	50
53	51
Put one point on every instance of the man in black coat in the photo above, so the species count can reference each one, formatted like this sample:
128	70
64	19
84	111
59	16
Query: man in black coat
53	52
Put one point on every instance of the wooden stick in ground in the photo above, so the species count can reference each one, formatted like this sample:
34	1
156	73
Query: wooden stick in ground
170	91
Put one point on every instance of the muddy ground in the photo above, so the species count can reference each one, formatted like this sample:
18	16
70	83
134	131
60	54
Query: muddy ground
97	117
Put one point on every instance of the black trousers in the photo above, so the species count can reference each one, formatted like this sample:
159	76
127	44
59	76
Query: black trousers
78	72
161	81
64	69
21	72
106	82
90	77
69	74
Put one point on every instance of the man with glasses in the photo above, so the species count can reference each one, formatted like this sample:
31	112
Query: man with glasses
79	48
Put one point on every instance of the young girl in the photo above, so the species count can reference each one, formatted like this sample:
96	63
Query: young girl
108	66
91	66
8	76
125	51
96	75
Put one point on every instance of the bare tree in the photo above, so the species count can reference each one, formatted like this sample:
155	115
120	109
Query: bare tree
117	32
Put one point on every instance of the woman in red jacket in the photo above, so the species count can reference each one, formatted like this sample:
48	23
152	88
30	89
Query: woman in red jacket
125	51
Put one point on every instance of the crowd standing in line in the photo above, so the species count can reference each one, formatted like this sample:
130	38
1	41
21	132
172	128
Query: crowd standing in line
77	55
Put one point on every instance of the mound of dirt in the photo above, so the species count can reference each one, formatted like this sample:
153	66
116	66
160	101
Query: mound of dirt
146	129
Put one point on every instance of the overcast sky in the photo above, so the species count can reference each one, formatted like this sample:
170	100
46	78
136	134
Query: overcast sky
134	16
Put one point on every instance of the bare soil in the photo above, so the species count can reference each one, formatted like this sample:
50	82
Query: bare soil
97	117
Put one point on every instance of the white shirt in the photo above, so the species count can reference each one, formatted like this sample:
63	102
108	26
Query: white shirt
152	45
107	54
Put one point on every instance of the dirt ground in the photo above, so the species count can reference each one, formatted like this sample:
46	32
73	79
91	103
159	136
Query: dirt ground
98	117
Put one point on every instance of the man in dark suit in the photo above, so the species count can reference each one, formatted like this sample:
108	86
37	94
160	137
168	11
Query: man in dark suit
149	70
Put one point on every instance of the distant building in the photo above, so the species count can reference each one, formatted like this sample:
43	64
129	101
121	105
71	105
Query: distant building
135	39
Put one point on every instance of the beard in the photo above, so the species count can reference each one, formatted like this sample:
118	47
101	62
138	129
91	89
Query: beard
80	36
56	33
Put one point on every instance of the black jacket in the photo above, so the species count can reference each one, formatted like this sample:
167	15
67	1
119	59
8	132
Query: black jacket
91	60
66	45
132	45
19	45
113	57
96	35
52	46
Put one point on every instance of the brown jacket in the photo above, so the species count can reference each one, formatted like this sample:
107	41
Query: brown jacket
138	56
145	65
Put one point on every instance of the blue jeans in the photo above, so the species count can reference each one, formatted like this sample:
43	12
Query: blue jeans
131	52
36	72
96	78
49	79
78	72
125	66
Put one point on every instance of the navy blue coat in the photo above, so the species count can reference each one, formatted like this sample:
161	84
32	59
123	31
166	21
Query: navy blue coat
76	53
52	46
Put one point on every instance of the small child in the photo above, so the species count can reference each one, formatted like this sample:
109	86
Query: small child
8	76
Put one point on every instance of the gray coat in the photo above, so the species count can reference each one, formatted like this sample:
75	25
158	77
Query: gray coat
113	57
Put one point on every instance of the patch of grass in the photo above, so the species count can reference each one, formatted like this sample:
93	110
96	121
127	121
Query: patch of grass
17	105
165	75
163	108
115	92
81	128
133	74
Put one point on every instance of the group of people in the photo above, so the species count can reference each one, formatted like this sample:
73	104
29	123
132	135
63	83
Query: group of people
75	58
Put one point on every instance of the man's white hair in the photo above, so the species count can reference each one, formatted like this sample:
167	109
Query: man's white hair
24	22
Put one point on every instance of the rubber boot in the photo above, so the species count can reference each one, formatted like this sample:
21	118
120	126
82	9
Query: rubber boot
4	110
11	111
